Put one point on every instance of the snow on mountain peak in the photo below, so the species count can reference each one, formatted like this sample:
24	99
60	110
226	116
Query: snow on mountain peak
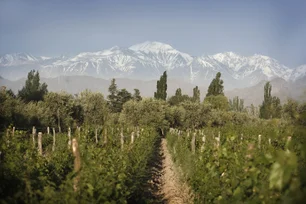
158	47
298	73
151	58
17	58
149	46
225	56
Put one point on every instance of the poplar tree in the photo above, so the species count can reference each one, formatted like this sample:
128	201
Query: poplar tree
136	95
112	97
33	89
122	97
161	86
196	95
117	98
216	86
265	108
236	104
271	107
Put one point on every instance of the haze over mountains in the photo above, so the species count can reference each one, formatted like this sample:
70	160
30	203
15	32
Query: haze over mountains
148	60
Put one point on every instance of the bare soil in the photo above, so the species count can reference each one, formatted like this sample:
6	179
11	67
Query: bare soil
171	188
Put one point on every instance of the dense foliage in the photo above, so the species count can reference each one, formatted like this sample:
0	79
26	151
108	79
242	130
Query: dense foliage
216	86
33	89
118	137
271	106
108	172
234	164
161	85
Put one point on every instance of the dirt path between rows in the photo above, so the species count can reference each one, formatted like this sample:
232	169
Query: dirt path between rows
171	187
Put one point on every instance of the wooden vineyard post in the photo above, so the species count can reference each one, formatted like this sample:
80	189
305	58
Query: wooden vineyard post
13	133
77	163
288	142
96	135
218	140
33	135
203	144
138	133
105	136
132	137
69	138
7	136
269	141
121	138
79	131
48	130
40	143
53	146
259	141
193	140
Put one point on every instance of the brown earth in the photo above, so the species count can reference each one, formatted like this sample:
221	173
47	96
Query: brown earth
172	188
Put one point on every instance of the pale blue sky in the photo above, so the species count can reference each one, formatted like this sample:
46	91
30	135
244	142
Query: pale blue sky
50	28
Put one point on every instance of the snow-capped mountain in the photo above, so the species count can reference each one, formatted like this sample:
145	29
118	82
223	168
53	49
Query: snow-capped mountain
149	60
298	73
17	59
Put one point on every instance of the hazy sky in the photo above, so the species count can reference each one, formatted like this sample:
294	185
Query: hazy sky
275	28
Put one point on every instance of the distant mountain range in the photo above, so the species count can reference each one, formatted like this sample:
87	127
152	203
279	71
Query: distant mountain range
148	60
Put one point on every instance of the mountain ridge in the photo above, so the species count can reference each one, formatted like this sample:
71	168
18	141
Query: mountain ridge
148	60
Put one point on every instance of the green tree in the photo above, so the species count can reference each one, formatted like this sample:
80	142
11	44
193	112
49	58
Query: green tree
113	97
147	112
253	111
117	98
290	109
218	102
136	95
266	109
11	93
95	108
178	98
175	115
11	110
236	104
196	95
302	114
122	97
33	89
161	86
193	114
271	107
276	107
216	86
59	106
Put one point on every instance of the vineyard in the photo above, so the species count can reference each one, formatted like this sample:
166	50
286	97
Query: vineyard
242	164
83	148
81	169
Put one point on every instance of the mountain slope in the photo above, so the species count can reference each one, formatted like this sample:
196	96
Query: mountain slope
148	61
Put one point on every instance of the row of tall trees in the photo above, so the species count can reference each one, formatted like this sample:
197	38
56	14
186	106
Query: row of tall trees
34	105
271	106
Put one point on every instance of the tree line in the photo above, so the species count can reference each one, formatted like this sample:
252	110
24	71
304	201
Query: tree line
34	105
